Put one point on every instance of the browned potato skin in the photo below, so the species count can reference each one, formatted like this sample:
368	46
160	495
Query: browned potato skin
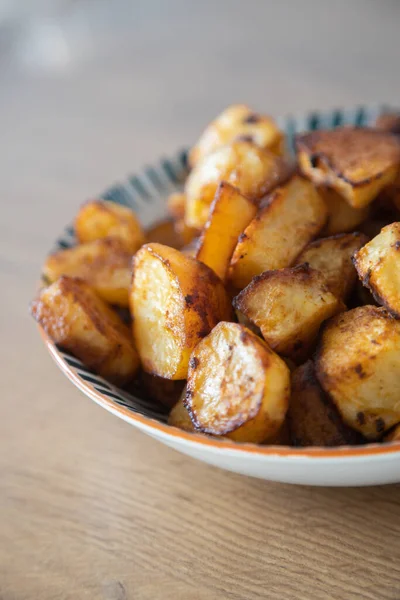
378	264
98	219
164	232
237	386
230	213
76	318
179	416
104	264
313	419
357	162
288	221
393	435
289	305
342	218
236	122
332	257
253	170
200	302
357	364
165	391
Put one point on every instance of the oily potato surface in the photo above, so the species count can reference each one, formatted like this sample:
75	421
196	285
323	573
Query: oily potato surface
230	213
238	122
342	217
77	319
356	162
104	264
237	386
288	306
313	419
290	219
98	219
254	171
378	267
175	301
357	364
332	257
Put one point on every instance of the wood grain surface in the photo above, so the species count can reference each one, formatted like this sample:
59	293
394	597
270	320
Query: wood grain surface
89	507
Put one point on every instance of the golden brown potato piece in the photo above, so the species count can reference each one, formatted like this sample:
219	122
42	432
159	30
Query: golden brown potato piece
254	171
165	391
283	227
98	219
237	122
332	257
358	363
312	417
357	162
342	218
78	320
176	205
179	416
389	121
237	387
104	264
175	301
230	213
185	233
393	435
378	267
288	306
164	232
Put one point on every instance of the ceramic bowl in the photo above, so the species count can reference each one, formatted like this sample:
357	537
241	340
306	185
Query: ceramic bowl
343	466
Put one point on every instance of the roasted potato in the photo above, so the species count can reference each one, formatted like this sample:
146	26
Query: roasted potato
175	301
332	257
393	435
165	391
389	121
237	122
98	219
176	206
312	417
357	364
254	171
230	213
288	306
78	320
378	267
164	232
357	162
237	387
290	219
179	416
185	233
342	218
104	264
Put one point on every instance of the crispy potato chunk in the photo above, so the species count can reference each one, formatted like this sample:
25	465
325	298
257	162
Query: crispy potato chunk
179	416
389	121
78	320
237	387
378	267
175	301
176	205
165	391
254	171
98	219
342	218
357	162
312	417
288	306
104	264
357	364
332	257
230	214
393	435
164	232
238	122
283	227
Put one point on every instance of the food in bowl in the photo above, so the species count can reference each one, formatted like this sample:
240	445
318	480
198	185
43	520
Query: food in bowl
265	308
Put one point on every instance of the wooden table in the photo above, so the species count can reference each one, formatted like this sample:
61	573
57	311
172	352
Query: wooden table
89	507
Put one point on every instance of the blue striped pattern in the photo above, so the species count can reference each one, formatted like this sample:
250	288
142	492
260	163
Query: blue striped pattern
146	195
